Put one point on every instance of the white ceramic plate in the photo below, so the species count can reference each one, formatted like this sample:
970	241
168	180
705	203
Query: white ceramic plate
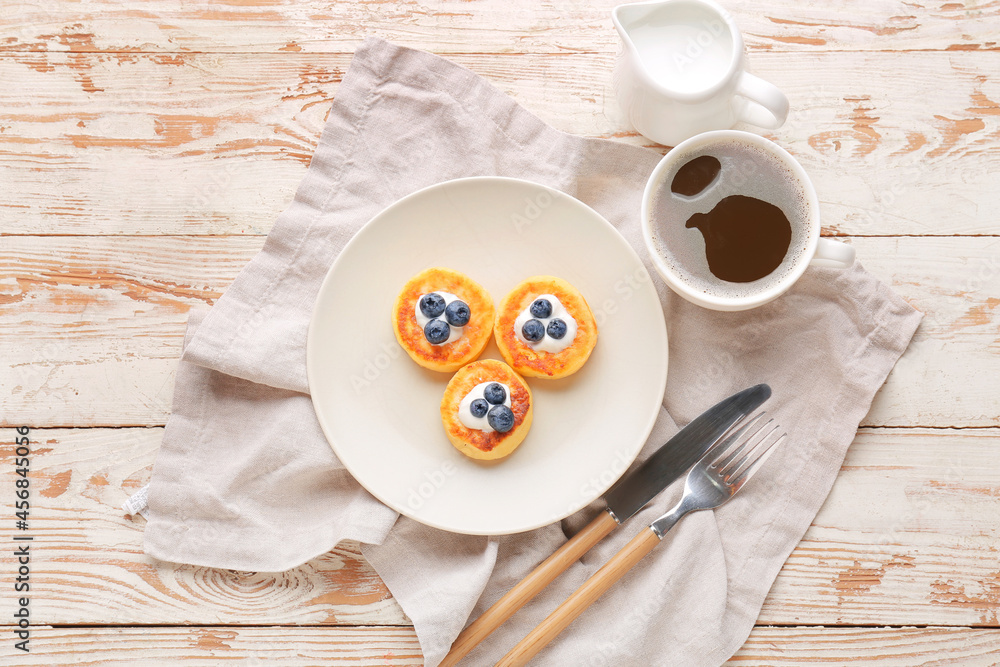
380	411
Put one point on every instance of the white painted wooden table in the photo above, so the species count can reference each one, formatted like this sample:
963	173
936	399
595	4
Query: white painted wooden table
146	148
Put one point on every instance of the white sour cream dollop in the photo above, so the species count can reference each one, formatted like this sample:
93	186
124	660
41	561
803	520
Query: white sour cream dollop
422	320
465	415
547	343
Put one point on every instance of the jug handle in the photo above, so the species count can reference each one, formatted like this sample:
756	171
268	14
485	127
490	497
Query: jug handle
766	106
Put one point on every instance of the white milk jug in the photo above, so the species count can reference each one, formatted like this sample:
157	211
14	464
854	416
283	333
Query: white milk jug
680	72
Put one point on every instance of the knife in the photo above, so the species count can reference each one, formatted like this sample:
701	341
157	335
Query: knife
629	495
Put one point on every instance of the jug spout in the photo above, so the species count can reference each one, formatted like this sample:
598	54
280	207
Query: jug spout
625	17
687	49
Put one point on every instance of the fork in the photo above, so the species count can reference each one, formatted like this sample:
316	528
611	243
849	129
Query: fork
713	480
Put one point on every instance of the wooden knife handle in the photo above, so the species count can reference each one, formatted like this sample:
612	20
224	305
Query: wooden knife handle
530	586
593	588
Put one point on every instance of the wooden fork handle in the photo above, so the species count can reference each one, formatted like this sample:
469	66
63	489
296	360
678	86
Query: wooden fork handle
530	586
593	588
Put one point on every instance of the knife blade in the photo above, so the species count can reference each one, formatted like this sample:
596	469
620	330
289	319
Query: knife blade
624	499
634	491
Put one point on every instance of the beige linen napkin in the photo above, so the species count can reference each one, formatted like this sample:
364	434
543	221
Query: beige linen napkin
245	479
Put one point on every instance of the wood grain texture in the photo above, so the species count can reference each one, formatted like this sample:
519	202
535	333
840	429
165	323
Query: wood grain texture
884	647
911	530
486	26
91	327
88	566
161	121
896	143
909	535
97	320
245	646
398	647
952	365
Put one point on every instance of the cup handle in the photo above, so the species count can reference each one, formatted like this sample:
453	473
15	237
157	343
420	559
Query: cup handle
833	253
766	106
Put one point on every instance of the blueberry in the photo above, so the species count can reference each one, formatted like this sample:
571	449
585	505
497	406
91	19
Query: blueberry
500	418
556	328
437	332
495	393
479	407
457	313
533	331
541	308
432	304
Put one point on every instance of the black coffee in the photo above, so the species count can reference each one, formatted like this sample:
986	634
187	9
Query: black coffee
730	219
745	238
695	175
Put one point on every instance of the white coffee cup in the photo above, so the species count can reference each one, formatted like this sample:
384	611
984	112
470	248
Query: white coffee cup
692	280
680	72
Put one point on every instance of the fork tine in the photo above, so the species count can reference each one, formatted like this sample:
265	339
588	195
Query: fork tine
726	441
742	453
761	453
724	462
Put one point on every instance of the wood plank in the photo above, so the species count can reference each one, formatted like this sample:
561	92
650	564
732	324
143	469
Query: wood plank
489	26
91	327
88	567
885	647
908	536
948	375
217	143
98	320
392	647
249	646
398	647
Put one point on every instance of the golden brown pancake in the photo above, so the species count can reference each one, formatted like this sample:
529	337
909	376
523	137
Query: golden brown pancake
476	334
478	444
537	363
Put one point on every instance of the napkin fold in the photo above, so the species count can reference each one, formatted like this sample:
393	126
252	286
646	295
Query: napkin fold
245	479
